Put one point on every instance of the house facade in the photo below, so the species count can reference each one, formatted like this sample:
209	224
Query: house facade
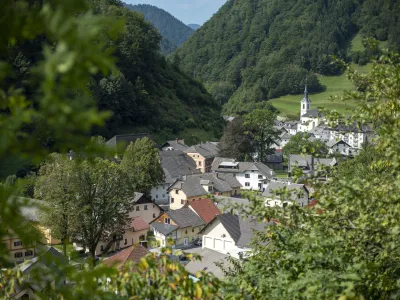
145	208
338	147
199	186
249	174
203	154
175	164
231	234
180	227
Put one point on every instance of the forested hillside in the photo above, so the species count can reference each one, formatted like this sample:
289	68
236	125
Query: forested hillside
145	90
174	32
256	50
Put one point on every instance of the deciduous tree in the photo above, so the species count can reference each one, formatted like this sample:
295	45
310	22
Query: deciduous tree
142	163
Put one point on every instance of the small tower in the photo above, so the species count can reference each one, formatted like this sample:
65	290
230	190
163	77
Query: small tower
305	102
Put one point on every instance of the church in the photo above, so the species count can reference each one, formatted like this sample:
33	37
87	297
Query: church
309	118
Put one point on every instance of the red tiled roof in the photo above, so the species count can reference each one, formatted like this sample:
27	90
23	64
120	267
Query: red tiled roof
139	224
206	209
313	205
131	254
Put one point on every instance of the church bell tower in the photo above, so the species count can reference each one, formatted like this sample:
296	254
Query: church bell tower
305	102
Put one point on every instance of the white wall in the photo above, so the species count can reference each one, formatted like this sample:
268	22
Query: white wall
217	238
253	180
148	215
354	139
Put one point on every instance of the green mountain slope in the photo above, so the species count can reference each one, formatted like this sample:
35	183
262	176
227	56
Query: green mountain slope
256	50
174	32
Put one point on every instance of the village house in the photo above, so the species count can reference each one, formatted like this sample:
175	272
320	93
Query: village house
144	211
175	164
339	147
203	154
19	251
279	194
144	208
249	174
182	227
129	255
199	186
354	136
174	145
231	234
205	209
40	273
308	163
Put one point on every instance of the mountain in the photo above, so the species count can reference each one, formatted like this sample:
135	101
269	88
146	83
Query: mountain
171	29
255	50
194	26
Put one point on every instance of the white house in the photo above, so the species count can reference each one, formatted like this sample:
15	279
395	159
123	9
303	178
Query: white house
338	146
231	234
249	174
279	193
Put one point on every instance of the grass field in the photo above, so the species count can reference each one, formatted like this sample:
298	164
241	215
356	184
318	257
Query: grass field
335	85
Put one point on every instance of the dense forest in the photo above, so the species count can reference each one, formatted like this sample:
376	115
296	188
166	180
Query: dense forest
173	31
252	51
144	90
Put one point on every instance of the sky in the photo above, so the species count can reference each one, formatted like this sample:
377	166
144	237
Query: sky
188	11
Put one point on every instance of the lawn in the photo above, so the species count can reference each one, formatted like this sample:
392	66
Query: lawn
335	85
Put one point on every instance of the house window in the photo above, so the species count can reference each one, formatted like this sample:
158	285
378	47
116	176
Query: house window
163	195
247	175
210	188
260	177
192	229
18	254
182	201
172	200
154	215
101	248
29	253
156	196
167	221
126	241
176	192
199	163
145	207
247	183
137	208
17	243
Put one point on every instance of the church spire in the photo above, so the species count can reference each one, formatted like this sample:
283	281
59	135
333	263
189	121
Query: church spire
306	90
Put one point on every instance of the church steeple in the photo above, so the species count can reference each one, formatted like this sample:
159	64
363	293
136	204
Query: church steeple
305	102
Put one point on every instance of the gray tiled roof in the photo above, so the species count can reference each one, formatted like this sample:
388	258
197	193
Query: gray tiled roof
313	113
208	263
241	167
207	150
176	163
275	186
306	161
185	217
165	229
334	142
176	144
240	229
41	271
191	184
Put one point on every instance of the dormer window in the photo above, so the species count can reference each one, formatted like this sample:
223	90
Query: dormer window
210	188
